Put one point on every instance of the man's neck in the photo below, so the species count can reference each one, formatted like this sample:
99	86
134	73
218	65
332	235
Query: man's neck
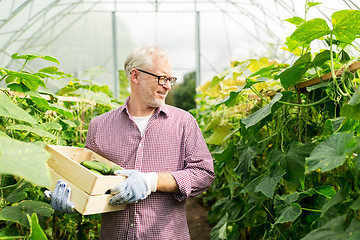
139	110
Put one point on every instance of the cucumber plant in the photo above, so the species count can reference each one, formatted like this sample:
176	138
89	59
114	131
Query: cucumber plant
30	117
286	158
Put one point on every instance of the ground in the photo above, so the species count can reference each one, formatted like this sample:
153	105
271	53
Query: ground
196	217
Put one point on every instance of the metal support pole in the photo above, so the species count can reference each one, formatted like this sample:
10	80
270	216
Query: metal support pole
116	75
197	43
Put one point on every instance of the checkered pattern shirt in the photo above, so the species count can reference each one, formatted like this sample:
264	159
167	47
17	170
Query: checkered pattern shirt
173	143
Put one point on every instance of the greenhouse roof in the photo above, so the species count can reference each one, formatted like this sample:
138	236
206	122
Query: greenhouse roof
202	35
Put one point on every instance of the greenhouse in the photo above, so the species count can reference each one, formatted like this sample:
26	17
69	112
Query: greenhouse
257	101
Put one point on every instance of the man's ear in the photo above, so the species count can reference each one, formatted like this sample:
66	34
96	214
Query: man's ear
134	76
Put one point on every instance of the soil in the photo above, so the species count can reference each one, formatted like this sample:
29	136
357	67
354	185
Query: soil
197	219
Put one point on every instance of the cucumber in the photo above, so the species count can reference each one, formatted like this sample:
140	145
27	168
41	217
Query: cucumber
96	172
114	168
92	165
106	168
100	167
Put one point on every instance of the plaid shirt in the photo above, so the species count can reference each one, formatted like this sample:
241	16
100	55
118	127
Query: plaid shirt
172	143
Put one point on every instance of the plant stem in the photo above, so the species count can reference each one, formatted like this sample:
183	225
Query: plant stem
258	94
311	210
10	186
305	105
22	68
240	218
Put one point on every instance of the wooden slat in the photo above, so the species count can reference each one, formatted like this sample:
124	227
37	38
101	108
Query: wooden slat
326	77
60	98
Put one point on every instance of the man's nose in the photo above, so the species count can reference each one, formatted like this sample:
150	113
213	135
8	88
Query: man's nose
167	85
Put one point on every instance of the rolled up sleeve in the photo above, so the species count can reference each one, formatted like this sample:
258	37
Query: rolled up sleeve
198	172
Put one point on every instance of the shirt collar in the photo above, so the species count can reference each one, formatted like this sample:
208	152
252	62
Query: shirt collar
162	109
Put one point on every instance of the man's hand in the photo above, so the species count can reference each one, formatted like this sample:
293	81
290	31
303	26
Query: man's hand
60	198
137	186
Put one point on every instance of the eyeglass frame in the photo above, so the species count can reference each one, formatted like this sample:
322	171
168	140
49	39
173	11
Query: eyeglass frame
172	80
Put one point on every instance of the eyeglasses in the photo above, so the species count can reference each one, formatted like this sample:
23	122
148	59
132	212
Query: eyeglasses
161	79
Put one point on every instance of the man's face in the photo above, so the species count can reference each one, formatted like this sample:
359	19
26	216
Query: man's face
151	93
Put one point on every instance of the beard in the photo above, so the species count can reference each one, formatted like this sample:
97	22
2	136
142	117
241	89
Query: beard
148	96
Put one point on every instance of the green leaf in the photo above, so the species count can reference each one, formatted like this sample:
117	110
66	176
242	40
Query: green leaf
34	56
356	204
292	44
352	108
226	154
269	182
289	213
68	122
9	109
34	129
337	198
18	87
36	232
321	58
264	72
295	73
353	232
18	212
65	90
97	88
2	72
237	69
61	110
295	20
220	135
214	122
26	160
231	100
11	233
51	126
280	202
293	162
219	231
334	229
311	30
312	4
235	97
331	153
50	70
346	25
261	113
344	56
333	125
43	75
40	101
19	193
33	82
246	155
250	188
326	190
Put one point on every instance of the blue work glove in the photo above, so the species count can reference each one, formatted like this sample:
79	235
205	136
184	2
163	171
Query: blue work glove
137	186
60	198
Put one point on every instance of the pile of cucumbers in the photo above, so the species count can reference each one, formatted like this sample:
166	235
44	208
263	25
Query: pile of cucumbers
100	167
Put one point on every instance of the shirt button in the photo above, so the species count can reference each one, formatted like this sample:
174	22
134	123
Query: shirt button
131	225
140	145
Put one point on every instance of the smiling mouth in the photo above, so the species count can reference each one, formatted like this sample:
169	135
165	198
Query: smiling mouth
163	94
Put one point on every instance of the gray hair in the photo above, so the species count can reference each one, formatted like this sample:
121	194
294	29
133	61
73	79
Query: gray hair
143	57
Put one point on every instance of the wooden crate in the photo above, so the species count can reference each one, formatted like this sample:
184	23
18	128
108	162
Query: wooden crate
88	188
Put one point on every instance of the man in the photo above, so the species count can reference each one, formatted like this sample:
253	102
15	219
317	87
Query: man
162	145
